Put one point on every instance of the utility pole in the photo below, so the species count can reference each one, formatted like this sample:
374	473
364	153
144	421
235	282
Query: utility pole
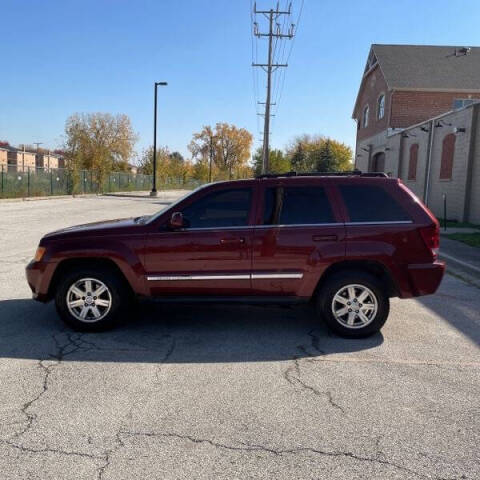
210	159
272	15
37	155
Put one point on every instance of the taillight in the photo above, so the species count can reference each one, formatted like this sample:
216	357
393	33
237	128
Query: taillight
431	237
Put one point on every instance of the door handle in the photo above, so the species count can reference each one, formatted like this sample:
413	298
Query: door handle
232	241
324	238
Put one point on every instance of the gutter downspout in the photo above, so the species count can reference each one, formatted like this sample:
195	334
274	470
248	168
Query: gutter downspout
470	162
428	168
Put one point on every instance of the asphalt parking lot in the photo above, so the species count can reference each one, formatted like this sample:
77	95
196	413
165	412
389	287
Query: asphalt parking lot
229	392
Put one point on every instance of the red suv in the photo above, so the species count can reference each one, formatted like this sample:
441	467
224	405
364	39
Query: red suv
347	243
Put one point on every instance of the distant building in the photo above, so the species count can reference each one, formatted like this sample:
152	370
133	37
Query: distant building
418	119
48	161
16	160
132	168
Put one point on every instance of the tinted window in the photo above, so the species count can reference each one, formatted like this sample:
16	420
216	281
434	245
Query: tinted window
366	203
228	208
297	205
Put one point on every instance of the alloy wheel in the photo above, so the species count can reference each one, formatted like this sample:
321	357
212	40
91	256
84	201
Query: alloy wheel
354	306
89	300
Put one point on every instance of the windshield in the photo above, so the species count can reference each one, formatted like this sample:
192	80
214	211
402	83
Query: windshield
153	217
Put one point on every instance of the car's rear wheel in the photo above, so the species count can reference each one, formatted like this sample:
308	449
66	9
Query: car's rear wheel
91	299
353	304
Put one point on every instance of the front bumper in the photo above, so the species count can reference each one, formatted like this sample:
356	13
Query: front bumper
38	277
425	278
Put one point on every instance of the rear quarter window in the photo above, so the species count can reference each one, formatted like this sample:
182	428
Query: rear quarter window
370	203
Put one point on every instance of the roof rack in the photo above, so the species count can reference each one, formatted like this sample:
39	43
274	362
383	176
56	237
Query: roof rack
358	173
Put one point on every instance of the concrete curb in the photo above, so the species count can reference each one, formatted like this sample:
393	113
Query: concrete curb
461	269
49	197
140	194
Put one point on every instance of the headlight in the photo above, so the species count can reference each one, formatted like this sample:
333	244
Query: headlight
39	253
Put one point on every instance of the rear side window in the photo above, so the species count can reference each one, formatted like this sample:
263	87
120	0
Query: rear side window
297	205
367	203
228	208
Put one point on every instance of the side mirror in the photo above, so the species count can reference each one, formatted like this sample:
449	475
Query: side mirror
177	221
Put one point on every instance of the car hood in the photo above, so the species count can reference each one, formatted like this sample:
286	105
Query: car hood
96	228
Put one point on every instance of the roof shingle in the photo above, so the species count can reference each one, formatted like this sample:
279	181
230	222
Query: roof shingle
429	67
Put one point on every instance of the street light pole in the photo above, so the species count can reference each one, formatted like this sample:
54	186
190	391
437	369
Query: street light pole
153	193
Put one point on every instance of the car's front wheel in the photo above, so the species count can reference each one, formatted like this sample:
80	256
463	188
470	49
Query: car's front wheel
90	299
353	304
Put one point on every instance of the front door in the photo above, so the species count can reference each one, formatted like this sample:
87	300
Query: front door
211	255
300	236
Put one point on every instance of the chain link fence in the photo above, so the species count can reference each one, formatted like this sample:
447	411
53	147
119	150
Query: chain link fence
35	182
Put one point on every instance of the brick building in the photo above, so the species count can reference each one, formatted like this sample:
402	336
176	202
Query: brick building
416	116
15	159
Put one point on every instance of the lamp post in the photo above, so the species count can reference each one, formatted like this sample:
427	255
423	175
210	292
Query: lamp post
153	193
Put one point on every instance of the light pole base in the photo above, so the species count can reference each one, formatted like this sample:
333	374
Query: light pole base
154	193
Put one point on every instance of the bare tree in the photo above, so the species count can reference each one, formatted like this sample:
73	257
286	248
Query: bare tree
99	141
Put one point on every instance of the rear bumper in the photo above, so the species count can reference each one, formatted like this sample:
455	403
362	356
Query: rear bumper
38	277
425	278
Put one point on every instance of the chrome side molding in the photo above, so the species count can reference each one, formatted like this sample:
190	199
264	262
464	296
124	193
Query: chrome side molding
233	276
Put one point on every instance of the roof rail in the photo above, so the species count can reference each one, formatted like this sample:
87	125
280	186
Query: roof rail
323	174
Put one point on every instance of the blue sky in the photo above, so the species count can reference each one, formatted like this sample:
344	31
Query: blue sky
61	57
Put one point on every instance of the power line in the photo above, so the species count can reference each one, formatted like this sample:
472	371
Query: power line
271	66
287	59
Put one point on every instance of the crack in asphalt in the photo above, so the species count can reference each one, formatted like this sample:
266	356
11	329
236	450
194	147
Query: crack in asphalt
51	450
108	454
57	358
247	447
73	344
293	373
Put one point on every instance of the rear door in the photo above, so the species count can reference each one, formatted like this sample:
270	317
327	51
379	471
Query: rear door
298	235
379	224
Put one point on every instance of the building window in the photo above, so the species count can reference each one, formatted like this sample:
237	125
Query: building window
365	117
448	152
412	163
381	107
462	102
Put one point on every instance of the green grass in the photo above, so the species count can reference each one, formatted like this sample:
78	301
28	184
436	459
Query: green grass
472	239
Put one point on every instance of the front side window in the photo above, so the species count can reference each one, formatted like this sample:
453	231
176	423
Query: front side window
297	206
365	117
227	208
369	203
381	107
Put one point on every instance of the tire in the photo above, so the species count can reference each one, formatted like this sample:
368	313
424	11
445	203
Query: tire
343	293
100	312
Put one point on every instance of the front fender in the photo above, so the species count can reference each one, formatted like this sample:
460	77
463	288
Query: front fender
126	254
